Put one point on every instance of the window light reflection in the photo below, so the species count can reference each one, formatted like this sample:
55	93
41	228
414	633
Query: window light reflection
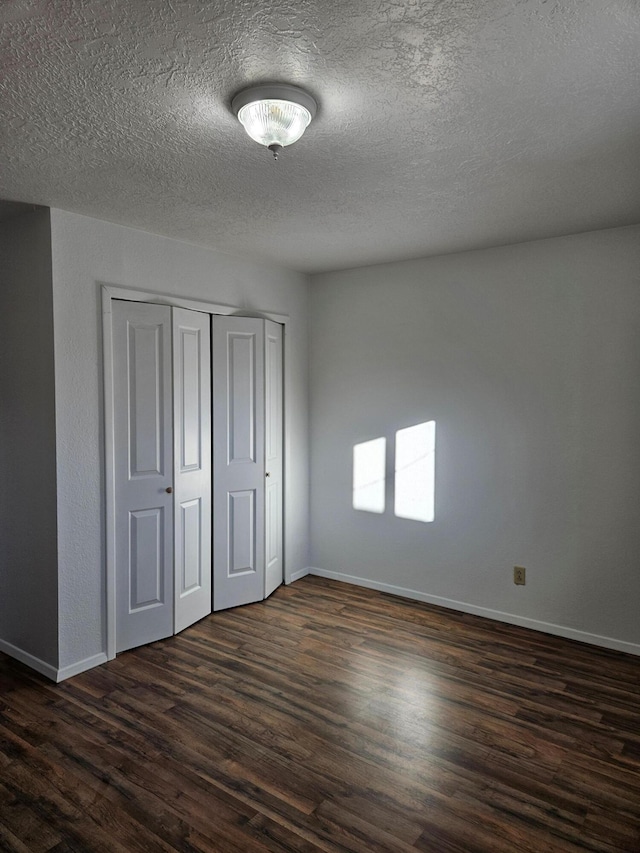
369	475
415	472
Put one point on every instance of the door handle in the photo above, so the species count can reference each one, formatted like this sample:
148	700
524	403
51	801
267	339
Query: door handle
267	474
168	490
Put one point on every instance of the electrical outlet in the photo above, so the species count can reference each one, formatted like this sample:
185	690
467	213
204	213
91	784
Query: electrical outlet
519	574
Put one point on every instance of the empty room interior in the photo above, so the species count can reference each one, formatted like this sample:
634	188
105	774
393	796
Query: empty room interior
320	380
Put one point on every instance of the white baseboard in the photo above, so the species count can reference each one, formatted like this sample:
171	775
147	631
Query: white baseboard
30	660
48	670
81	666
301	573
498	615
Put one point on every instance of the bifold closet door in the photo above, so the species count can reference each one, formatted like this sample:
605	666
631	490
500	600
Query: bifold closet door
247	460
238	461
143	444
192	465
273	450
162	451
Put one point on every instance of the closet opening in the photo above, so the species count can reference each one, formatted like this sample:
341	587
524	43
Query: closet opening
194	462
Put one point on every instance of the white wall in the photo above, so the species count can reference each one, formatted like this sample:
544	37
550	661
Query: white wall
86	254
528	358
28	567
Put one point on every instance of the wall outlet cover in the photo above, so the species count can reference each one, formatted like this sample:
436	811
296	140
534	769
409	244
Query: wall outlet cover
519	575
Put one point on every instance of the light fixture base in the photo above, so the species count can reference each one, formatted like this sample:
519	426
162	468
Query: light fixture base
275	150
275	92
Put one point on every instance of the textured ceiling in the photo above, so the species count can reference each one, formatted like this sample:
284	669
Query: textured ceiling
443	125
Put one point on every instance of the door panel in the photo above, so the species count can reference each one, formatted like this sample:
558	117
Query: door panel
238	428
192	455
145	399
242	532
142	473
191	558
272	522
241	361
189	408
273	462
146	577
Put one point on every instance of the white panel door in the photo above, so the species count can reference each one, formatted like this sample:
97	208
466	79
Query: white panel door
238	469
143	473
192	465
273	457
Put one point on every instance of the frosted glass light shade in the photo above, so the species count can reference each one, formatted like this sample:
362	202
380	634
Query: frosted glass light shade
275	115
273	122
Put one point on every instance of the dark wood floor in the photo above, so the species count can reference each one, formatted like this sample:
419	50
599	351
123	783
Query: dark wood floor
328	718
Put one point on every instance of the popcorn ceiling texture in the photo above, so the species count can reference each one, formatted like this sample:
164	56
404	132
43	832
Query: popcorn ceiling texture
444	125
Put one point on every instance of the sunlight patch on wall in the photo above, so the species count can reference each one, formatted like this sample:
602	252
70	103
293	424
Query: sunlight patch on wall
369	475
415	472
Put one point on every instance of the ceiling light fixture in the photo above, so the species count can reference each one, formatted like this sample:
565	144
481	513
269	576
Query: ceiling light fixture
274	115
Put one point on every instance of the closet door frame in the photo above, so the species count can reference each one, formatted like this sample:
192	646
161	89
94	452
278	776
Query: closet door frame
109	293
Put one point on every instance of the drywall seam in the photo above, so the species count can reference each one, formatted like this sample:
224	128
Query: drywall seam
486	612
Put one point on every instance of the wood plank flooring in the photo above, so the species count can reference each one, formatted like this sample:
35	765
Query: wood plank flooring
328	718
